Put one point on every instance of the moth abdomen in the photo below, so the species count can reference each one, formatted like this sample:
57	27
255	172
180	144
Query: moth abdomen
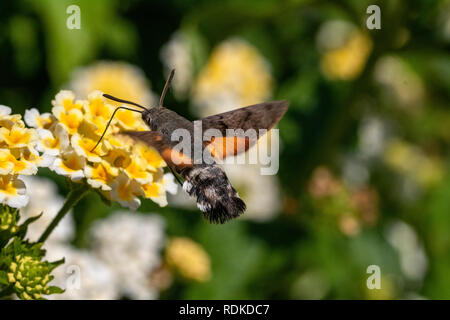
216	197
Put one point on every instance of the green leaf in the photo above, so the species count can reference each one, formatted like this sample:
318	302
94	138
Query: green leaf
24	226
3	278
55	290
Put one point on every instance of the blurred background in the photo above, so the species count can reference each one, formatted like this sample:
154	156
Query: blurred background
364	174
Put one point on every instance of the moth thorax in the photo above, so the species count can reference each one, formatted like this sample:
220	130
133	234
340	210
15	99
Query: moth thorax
149	118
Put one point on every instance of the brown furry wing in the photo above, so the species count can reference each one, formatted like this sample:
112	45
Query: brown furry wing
173	158
259	116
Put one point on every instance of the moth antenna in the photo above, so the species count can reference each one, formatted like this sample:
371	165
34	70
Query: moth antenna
108	96
166	87
109	122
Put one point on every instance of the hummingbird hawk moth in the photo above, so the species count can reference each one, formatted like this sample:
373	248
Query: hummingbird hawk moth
207	182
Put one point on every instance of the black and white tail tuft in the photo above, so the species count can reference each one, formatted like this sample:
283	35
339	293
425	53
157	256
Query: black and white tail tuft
215	195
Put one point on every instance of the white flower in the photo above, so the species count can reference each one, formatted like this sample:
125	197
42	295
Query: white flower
36	120
44	198
4	110
83	276
176	54
413	260
170	184
333	34
130	244
260	192
372	136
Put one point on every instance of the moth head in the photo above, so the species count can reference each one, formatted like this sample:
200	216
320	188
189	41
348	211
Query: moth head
147	113
150	117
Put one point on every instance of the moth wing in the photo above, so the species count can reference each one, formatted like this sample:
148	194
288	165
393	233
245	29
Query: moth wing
258	116
173	158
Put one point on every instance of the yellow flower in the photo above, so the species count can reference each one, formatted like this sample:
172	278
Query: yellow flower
126	192
128	119
12	191
152	158
235	75
70	165
50	143
6	162
83	147
100	175
189	259
118	157
97	112
157	190
25	161
97	106
18	137
70	120
347	61
116	78
65	99
136	170
17	156
119	142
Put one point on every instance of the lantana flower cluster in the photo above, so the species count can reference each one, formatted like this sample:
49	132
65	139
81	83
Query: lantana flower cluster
121	171
24	272
18	156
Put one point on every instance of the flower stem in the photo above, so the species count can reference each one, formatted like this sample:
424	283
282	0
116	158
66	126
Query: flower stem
75	195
